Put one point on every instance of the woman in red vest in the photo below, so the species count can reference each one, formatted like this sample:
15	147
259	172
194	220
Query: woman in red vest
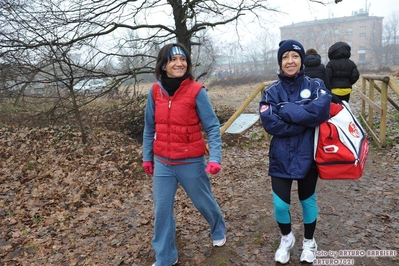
177	110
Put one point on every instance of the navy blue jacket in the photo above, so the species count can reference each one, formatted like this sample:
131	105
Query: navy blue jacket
290	110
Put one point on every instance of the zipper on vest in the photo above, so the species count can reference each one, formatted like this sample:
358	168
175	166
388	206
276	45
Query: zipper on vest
170	103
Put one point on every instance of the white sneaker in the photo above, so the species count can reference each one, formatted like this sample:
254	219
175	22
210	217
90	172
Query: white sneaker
283	252
177	260
309	250
219	243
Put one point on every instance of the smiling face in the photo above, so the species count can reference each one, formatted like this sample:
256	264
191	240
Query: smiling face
291	63
176	66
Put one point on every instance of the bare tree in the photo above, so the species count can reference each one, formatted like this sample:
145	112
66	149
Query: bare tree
56	43
92	28
261	54
391	40
89	24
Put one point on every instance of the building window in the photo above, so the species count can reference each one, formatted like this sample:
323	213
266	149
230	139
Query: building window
349	31
323	47
362	27
362	47
336	32
362	34
362	57
323	34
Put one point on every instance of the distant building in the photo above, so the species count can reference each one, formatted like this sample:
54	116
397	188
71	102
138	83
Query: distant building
361	31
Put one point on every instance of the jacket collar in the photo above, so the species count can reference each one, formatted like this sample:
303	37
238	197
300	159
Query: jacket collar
294	79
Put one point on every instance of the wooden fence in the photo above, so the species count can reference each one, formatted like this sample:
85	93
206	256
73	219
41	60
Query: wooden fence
258	90
377	104
370	102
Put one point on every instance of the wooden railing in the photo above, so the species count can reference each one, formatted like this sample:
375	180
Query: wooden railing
373	103
241	109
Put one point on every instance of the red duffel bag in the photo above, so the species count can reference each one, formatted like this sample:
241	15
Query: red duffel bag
340	145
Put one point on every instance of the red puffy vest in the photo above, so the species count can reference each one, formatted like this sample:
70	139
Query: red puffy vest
178	132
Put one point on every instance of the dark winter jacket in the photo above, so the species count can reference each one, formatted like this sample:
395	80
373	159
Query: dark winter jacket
341	71
290	110
315	69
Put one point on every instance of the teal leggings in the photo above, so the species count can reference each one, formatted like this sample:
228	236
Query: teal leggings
307	196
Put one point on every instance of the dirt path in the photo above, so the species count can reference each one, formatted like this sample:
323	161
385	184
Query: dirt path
63	203
358	215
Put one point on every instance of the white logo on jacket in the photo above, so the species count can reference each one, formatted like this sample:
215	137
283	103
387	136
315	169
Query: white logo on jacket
305	94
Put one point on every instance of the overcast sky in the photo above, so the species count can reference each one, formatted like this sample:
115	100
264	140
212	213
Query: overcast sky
302	10
295	11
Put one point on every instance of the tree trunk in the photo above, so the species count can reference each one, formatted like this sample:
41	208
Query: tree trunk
183	35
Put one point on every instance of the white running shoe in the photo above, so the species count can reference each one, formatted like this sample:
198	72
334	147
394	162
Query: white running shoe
219	243
177	260
309	250
283	252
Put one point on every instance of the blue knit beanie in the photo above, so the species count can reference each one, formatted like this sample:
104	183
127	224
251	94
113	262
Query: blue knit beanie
290	45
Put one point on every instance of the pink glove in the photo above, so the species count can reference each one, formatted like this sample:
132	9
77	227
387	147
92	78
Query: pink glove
148	167
212	168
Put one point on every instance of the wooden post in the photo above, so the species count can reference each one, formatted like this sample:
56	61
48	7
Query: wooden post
380	108
364	86
242	108
371	97
383	120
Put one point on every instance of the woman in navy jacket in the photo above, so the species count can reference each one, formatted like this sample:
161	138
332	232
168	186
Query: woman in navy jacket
290	110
